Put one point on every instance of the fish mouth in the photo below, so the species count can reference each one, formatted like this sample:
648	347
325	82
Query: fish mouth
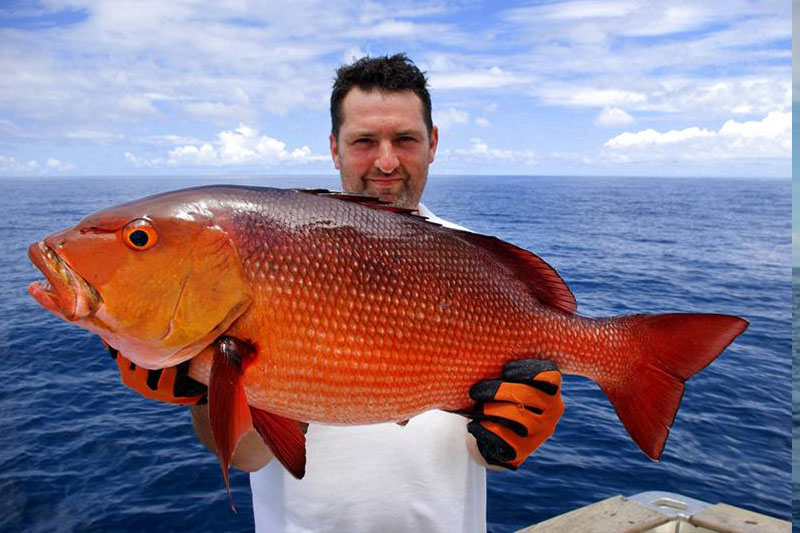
63	291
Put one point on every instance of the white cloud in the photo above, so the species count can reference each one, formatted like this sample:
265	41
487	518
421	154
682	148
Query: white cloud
491	78
675	19
479	150
241	146
704	60
138	103
572	11
220	112
776	125
93	136
141	162
589	97
770	137
612	117
352	54
10	165
449	117
482	122
651	136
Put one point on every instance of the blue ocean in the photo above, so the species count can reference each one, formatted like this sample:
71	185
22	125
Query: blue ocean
79	451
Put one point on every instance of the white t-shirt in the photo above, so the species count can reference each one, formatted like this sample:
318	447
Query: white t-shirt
381	477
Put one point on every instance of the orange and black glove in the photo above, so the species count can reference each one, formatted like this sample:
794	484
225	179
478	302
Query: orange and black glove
171	385
513	416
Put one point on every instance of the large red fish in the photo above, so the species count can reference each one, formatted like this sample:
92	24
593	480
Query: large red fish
317	307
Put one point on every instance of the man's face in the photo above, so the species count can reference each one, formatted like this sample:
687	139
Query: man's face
383	147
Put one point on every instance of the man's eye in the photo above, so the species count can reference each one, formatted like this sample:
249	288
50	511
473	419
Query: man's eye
363	141
406	138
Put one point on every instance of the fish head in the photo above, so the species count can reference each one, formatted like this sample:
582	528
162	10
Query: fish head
159	279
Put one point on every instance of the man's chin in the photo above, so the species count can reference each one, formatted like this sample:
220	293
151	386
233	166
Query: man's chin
395	192
387	193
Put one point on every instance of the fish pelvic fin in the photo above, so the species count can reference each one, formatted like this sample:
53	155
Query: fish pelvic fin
227	402
672	348
285	438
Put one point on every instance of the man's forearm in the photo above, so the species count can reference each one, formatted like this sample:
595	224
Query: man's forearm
251	453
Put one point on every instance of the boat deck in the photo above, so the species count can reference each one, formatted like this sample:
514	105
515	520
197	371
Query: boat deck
660	512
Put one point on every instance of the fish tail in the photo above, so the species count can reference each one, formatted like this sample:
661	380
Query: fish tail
671	348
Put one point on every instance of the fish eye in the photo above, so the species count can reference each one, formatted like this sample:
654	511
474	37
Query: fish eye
139	234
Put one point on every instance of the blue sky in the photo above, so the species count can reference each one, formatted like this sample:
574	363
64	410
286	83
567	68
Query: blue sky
590	87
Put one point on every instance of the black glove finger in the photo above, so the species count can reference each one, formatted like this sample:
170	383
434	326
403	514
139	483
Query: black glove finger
526	370
112	351
187	386
494	449
484	391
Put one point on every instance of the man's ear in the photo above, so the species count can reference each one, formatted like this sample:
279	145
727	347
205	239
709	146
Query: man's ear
434	143
334	151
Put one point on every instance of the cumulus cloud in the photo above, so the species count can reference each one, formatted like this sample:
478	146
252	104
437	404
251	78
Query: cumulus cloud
770	137
143	162
241	146
9	165
479	150
612	117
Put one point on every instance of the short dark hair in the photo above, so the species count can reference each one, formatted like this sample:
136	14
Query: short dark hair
396	73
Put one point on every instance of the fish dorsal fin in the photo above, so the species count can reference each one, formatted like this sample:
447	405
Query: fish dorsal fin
363	199
542	280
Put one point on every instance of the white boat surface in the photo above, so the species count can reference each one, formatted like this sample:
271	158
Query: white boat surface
660	512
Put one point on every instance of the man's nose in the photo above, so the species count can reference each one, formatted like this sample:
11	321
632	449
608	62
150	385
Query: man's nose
387	161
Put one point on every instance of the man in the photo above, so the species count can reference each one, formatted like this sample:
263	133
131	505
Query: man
428	475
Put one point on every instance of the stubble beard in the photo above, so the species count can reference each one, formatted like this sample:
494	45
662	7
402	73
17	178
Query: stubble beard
402	197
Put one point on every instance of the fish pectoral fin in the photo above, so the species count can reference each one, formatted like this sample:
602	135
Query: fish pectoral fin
403	423
227	401
285	437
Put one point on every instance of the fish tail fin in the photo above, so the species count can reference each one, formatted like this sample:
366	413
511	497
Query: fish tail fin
671	348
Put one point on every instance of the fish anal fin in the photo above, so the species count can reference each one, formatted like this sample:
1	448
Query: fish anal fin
227	402
285	438
542	280
671	349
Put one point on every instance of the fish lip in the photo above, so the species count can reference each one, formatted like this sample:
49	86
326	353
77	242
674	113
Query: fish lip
65	293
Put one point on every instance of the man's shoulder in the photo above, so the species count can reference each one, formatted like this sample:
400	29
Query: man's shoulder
428	214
